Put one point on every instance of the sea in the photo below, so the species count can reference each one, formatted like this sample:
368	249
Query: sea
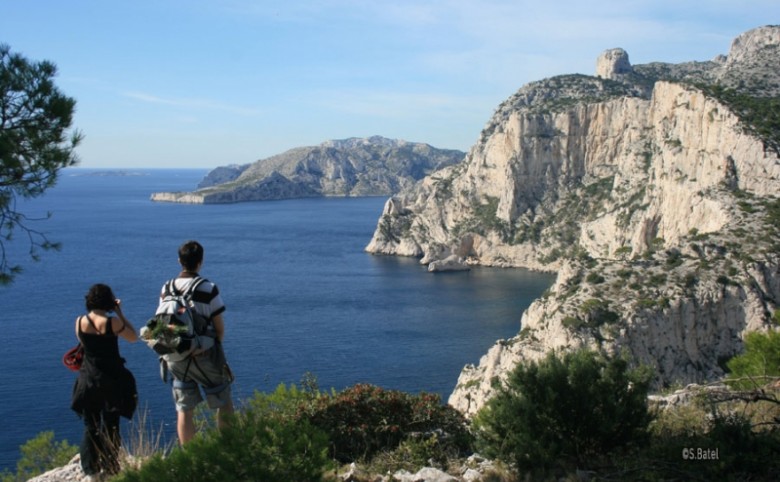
303	297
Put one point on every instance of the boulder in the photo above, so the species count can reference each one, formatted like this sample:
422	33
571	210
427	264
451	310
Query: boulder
452	262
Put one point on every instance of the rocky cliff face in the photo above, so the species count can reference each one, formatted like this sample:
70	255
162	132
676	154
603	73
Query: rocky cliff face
649	189
223	174
351	167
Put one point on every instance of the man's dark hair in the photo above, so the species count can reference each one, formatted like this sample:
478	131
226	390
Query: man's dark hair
190	255
100	297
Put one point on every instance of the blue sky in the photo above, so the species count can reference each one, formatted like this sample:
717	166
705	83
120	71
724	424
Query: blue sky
203	83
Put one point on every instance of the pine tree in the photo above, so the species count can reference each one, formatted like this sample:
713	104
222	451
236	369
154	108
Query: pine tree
35	144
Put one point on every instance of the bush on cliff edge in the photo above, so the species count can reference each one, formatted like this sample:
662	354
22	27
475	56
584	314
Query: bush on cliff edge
565	412
40	454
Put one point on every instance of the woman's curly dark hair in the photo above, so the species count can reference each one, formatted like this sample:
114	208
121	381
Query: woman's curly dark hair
100	297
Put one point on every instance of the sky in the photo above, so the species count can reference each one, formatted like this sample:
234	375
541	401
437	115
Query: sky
207	83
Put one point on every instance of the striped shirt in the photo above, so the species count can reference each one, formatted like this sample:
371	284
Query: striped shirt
206	299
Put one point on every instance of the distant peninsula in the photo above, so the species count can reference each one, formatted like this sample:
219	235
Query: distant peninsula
373	166
106	173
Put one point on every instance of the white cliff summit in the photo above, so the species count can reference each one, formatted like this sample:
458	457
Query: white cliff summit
650	190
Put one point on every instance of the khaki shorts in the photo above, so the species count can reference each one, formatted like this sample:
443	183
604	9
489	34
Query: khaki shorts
207	373
188	397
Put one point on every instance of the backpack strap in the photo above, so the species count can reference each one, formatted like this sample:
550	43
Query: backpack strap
194	286
170	287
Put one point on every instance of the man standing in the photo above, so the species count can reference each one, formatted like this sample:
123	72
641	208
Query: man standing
202	370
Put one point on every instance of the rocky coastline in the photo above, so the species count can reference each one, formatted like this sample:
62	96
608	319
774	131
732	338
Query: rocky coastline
650	190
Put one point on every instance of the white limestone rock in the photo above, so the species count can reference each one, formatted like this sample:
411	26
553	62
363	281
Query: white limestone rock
452	262
613	63
426	474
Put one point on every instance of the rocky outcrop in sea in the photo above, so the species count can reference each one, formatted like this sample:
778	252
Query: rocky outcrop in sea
649	189
374	166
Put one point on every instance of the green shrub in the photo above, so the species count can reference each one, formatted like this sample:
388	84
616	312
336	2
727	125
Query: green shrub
565	411
596	313
594	278
573	323
365	419
724	280
761	359
285	403
258	445
411	455
656	280
39	455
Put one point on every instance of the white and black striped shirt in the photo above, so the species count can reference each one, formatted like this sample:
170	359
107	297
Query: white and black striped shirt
206	299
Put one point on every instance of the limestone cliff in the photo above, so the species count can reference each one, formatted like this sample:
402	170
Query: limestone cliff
223	174
649	189
373	166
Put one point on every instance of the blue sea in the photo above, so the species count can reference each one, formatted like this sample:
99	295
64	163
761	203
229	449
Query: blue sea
301	294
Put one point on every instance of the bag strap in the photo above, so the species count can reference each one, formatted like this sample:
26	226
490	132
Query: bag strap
194	286
191	291
170	287
93	325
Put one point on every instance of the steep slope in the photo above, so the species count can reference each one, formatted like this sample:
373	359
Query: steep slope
650	190
351	167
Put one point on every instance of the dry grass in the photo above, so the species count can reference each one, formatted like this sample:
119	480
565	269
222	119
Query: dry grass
146	439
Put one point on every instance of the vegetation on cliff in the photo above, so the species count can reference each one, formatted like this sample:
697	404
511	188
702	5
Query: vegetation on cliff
570	413
760	114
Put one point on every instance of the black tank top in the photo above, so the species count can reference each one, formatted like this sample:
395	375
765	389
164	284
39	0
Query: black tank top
100	349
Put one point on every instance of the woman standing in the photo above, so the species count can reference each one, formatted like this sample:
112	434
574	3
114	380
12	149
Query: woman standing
105	389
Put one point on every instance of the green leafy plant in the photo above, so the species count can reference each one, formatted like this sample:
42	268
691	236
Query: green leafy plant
564	411
40	454
412	454
596	313
760	360
364	420
34	147
156	329
255	446
594	278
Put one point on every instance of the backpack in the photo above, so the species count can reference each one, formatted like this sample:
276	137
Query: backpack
177	331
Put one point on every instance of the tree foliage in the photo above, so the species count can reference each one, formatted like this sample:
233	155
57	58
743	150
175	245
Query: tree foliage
760	360
40	454
565	411
35	143
364	420
253	447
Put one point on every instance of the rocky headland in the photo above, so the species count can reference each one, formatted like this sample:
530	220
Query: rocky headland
374	166
649	189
